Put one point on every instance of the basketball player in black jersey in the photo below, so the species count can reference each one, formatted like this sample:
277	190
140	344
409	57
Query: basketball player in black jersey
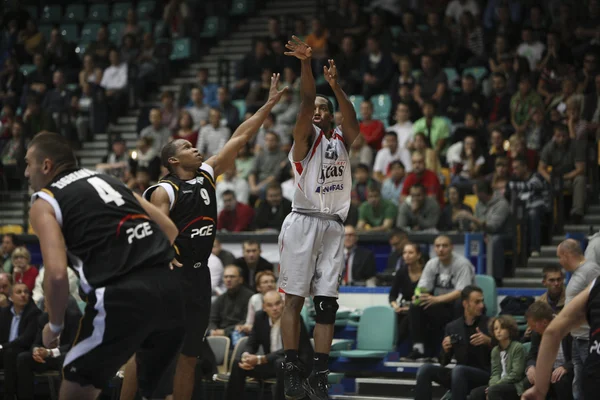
187	196
584	307
120	245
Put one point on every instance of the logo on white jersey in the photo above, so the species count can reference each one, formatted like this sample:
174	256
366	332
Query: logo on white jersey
331	151
200	179
139	232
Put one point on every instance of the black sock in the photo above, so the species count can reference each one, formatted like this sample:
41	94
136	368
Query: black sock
291	356
321	362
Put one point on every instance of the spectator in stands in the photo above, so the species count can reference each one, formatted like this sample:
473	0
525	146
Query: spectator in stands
432	84
5	289
443	279
146	64
392	186
186	129
271	125
39	359
229	112
360	268
271	212
508	363
131	25
403	126
404	285
80	112
470	42
267	165
212	136
156	130
522	103
101	47
435	128
198	109
380	29
533	189
230	181
496	149
12	83
578	128
35	119
456	8
376	68
168	111
12	155
567	159
259	91
9	244
251	262
141	181
225	256
348	63
376	214
371	129
265	282
390	152
145	157
59	52
530	48
425	177
472	125
114	82
244	162
58	100
129	49
235	216
40	80
360	153
23	272
493	217
285	113
539	315
37	293
266	332
18	327
467	339
116	163
437	40
537	132
422	146
469	99
176	17
29	41
554	282
250	68
500	177
583	272
397	240
497	106
466	161
591	105
230	308
449	219
421	214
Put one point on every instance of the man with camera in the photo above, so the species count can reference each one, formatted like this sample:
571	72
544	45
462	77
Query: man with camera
467	340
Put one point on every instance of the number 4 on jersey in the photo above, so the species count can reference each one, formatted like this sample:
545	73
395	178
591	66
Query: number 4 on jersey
106	192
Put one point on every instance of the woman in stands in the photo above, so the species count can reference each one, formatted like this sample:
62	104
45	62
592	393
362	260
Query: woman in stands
422	145
448	220
186	128
23	272
500	177
405	283
265	282
508	363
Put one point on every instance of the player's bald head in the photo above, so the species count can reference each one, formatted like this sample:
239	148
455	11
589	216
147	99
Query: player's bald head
570	246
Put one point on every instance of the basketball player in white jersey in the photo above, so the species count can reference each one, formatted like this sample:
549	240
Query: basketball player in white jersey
312	235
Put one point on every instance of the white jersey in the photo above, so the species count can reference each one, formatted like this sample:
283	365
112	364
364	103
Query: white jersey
323	180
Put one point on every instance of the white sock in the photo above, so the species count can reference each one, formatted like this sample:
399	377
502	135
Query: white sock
419	347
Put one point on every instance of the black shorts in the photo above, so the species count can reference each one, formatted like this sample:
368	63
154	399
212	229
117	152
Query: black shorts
197	292
140	313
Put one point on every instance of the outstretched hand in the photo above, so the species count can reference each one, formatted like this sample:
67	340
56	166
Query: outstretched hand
330	74
275	94
298	49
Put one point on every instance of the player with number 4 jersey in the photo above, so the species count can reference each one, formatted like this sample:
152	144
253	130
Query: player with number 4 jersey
187	196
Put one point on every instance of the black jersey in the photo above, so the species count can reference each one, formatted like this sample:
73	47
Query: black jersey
194	210
592	363
107	232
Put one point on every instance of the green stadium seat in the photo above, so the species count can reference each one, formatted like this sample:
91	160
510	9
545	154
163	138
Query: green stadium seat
27	69
374	343
241	106
72	87
99	12
81	48
75	13
119	11
356	100
339	345
490	294
241	7
182	49
452	75
51	14
144	9
70	32
382	106
478	72
335	378
114	31
213	26
146	26
89	31
33	12
46	30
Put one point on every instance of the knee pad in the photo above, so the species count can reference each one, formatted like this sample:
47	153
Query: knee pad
325	309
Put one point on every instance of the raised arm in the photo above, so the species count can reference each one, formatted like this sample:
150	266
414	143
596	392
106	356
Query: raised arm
224	160
350	127
308	92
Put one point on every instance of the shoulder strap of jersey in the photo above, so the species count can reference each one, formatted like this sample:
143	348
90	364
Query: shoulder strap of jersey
170	187
47	195
208	172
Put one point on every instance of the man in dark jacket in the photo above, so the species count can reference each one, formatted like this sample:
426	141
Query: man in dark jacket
467	340
40	359
18	326
360	266
266	332
251	262
539	315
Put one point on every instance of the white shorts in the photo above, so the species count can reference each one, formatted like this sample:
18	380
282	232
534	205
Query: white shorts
311	256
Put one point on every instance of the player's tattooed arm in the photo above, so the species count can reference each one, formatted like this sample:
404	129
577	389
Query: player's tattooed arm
350	127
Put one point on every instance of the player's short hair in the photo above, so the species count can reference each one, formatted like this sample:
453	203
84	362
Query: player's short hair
466	292
540	311
552	269
250	242
170	150
54	147
330	106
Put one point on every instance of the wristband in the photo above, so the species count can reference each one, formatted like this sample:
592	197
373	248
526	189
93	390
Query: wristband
56	329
